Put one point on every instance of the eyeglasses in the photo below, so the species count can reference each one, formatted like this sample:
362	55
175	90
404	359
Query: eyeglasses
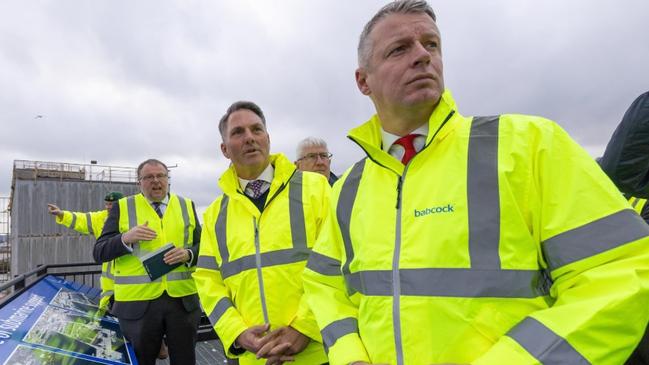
314	156
149	178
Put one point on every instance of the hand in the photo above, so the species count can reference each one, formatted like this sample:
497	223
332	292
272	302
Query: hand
176	255
54	210
139	233
250	339
279	345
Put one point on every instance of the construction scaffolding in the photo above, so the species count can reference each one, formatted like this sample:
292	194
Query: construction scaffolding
35	237
5	248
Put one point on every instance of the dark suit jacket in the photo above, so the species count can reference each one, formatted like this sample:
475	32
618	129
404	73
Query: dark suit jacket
109	246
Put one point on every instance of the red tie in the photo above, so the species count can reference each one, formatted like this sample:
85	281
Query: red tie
407	143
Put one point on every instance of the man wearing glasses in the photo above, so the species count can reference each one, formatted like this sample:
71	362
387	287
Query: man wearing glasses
313	155
148	309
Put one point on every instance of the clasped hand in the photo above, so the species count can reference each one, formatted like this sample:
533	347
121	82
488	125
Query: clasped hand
276	347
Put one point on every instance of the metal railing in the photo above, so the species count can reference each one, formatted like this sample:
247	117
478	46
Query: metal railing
25	169
87	275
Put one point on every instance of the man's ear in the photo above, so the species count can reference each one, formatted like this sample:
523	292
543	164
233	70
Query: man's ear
361	81
224	150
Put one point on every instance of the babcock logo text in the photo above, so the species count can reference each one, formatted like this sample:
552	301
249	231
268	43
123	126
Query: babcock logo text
434	210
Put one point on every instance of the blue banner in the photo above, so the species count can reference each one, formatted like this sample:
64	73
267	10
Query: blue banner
59	322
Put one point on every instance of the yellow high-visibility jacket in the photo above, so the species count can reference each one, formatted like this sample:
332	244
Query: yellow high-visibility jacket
250	266
501	242
92	223
176	226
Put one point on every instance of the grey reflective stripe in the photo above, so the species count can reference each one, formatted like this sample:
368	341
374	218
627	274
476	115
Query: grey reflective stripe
74	220
207	262
634	202
483	200
183	208
221	306
137	279
260	276
107	293
337	329
444	282
106	273
271	258
545	345
296	210
89	222
132	213
220	229
593	238
132	221
182	275
323	265
345	206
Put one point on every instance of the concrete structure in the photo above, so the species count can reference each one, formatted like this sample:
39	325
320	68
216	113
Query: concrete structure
34	236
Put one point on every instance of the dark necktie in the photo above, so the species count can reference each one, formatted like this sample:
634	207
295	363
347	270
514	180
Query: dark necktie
256	188
156	207
405	148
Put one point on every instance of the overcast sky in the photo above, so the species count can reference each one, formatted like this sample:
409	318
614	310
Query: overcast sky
122	81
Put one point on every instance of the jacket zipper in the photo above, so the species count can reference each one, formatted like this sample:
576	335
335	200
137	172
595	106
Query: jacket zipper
260	277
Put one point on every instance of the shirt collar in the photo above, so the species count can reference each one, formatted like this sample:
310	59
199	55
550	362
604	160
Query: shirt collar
389	138
164	201
266	175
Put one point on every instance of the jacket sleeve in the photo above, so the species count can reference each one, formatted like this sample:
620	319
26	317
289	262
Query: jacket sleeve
84	223
196	240
304	320
596	251
215	297
626	158
109	245
325	292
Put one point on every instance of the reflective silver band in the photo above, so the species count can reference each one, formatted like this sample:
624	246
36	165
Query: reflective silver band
344	209
178	275
444	282
272	258
296	211
634	202
107	273
323	265
132	222
593	238
89	222
137	279
337	329
74	220
207	262
221	306
144	279
545	345
483	200
107	293
183	208
220	229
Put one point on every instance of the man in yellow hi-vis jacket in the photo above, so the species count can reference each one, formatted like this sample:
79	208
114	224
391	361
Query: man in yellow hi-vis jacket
256	240
91	223
484	240
154	223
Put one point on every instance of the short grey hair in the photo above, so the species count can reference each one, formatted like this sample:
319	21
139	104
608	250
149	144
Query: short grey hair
150	161
236	106
309	142
396	7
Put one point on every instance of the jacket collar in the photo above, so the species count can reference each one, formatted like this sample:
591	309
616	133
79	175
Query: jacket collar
368	135
284	169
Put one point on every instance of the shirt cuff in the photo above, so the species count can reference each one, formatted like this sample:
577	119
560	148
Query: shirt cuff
128	247
191	257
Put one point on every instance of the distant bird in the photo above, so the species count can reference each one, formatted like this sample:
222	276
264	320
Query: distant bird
38	116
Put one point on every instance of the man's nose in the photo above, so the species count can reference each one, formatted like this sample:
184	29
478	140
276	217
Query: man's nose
421	54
